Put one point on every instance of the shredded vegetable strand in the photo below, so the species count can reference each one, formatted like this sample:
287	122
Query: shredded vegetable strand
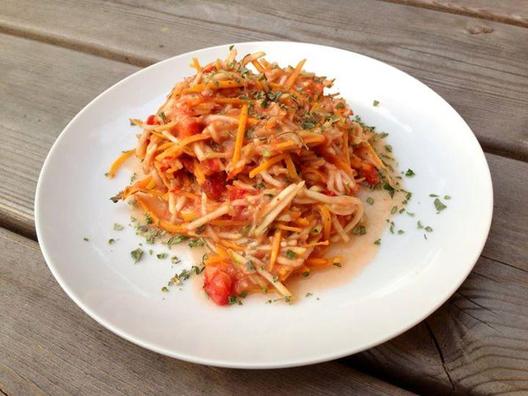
263	167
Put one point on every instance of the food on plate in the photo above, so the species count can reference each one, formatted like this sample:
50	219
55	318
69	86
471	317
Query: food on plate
260	164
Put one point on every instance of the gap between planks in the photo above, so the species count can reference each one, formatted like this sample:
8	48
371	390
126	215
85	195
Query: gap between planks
76	45
460	8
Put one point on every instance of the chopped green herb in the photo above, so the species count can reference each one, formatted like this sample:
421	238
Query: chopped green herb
389	188
165	289
410	213
439	205
419	225
287	299
231	47
85	239
162	256
337	264
308	294
433	195
148	219
447	197
401	210
137	254
428	229
400	232
308	124
234	300
196	243
291	254
359	230
243	294
176	239
394	209
306	274
391	228
250	266
410	173
377	242
260	186
118	227
370	201
316	230
175	260
150	252
163	117
111	241
375	103
388	147
340	106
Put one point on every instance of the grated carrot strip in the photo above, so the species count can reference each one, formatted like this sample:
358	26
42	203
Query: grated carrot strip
258	66
228	222
326	219
236	101
232	245
295	74
176	148
317	262
216	85
119	162
196	64
275	248
292	172
285	227
239	142
199	173
345	147
265	165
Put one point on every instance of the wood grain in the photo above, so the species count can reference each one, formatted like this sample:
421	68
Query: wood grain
474	343
477	341
46	86
514	12
49	346
479	66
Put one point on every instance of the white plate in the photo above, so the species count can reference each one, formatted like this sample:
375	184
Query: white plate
408	279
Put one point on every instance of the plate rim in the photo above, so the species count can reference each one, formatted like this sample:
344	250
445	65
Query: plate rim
292	362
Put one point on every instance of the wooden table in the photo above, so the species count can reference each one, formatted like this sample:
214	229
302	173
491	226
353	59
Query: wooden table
57	55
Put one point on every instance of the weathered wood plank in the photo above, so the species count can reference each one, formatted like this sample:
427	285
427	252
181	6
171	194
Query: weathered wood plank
476	342
482	75
49	346
473	343
45	86
514	12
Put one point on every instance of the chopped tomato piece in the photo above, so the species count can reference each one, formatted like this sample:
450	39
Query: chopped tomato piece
370	173
218	285
188	127
235	193
152	120
211	165
214	185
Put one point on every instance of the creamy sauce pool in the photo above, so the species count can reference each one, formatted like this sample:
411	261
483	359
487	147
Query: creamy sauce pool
357	252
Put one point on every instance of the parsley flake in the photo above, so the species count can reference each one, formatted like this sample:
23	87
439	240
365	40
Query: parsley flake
410	173
370	201
291	254
137	254
375	103
118	227
439	205
196	243
162	256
